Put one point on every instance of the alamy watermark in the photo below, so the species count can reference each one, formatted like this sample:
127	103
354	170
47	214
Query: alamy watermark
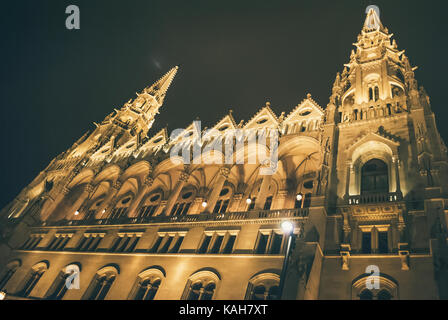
73	21
73	279
373	281
234	146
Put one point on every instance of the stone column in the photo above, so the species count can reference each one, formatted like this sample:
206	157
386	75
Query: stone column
397	174
112	193
176	192
264	189
347	181
214	195
132	211
88	189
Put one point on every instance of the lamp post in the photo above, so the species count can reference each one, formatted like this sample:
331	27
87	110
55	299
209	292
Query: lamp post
300	197
288	229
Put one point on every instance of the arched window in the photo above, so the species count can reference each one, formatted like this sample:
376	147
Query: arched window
201	286
223	201
264	286
101	283
33	278
11	268
121	208
150	205
183	204
366	295
374	177
59	288
381	287
147	285
377	93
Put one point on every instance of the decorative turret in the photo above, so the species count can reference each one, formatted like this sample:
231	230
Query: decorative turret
134	119
378	79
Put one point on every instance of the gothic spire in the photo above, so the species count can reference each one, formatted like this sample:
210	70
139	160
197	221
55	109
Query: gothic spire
159	88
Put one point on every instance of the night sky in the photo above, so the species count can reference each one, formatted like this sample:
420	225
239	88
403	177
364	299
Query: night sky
232	55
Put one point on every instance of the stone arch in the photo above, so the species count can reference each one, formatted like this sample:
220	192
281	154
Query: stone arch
202	285
263	286
385	283
147	283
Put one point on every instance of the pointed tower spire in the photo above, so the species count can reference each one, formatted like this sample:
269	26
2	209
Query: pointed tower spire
373	21
160	87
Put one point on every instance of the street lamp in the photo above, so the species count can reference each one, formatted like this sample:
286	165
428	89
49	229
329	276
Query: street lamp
300	197
288	230
204	204
2	295
248	200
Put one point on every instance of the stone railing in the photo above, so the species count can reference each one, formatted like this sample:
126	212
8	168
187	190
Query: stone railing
230	216
375	198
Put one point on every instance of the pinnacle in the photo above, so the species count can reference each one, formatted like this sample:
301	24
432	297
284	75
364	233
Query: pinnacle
373	21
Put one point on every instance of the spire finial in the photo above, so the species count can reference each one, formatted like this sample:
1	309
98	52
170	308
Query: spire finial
373	21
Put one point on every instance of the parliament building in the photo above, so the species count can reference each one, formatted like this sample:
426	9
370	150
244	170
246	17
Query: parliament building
363	180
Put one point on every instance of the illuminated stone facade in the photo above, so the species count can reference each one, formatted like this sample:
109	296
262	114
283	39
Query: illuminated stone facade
364	181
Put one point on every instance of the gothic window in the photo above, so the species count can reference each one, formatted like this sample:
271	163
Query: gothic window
199	292
223	201
150	206
201	286
101	284
59	288
269	242
147	290
126	242
268	203
147	285
370	94
377	93
11	268
59	241
90	242
183	204
121	208
32	242
32	279
374	177
218	242
371	287
366	242
383	246
366	295
168	242
251	204
264	286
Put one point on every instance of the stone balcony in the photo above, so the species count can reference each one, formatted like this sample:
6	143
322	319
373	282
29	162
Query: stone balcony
375	198
230	216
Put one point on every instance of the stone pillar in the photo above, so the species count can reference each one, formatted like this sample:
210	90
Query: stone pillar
176	192
374	240
133	208
214	195
88	189
112	193
397	174
347	180
264	189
